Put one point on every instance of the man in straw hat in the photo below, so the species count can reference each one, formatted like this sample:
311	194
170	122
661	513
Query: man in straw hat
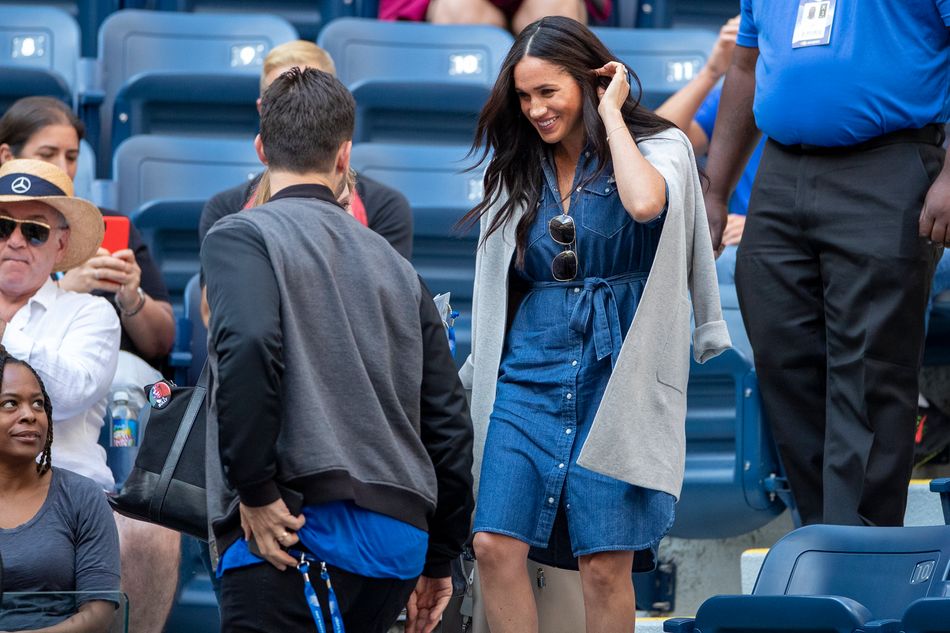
71	339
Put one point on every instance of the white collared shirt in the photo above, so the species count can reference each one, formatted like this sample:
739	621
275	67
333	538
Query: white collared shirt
72	341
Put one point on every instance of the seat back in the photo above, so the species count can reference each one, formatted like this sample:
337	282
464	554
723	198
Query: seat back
440	193
415	82
664	60
39	51
882	568
162	183
307	16
199	333
183	73
927	615
729	451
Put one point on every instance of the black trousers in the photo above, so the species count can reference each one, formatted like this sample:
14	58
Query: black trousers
261	599
833	282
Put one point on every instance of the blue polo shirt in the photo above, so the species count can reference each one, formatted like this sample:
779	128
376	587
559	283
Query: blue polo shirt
342	534
706	118
885	69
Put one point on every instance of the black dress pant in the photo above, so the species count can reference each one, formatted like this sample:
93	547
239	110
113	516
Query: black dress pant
833	283
261	599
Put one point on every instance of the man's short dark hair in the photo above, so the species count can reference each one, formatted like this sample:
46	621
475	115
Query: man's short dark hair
305	116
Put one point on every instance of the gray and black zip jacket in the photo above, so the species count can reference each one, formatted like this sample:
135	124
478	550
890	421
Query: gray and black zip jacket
331	377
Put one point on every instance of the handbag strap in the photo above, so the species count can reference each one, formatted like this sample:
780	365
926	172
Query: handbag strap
178	445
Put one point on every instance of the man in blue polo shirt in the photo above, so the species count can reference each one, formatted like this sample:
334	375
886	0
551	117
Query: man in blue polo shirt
849	213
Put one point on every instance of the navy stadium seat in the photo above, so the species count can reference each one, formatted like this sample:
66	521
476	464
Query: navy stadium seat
731	465
927	615
182	74
834	578
415	83
663	59
39	51
89	15
440	193
198	336
162	183
307	16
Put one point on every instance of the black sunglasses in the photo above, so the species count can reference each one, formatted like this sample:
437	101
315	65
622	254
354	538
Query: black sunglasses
33	231
562	230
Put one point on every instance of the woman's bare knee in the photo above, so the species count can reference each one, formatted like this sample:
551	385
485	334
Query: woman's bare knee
606	572
498	551
532	10
465	12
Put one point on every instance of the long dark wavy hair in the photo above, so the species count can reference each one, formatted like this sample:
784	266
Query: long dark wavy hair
504	132
46	459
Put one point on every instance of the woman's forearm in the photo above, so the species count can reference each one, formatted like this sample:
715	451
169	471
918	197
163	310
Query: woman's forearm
152	329
641	187
95	616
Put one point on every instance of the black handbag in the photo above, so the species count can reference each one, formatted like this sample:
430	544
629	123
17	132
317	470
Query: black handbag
167	483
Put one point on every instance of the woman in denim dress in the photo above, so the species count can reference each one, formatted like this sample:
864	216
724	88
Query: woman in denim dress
562	126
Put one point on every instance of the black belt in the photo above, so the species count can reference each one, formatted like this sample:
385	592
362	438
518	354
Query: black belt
932	134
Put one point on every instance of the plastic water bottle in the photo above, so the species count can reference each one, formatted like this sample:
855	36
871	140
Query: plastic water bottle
125	424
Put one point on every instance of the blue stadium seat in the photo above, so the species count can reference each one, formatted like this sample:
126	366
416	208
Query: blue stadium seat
833	578
198	339
89	15
927	615
162	183
731	465
664	59
440	193
415	83
307	16
39	51
182	73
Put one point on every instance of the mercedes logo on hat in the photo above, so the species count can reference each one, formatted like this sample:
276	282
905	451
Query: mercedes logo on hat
21	185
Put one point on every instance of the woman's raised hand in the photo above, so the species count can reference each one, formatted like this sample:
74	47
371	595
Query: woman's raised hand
615	94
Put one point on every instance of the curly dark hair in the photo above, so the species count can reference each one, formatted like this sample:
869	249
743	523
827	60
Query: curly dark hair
46	459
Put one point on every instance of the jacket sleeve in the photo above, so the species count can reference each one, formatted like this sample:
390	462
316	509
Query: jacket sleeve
447	436
245	334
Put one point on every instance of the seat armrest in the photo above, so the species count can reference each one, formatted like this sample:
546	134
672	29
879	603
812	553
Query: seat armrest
679	625
880	626
741	614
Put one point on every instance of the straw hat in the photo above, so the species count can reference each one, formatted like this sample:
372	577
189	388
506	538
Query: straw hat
25	179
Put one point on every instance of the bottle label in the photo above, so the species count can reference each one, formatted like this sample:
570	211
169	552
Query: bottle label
124	432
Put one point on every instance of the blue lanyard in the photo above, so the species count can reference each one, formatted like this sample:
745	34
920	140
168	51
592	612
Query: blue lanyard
314	603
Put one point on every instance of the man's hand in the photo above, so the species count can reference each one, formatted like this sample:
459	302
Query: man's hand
735	225
935	216
717	213
427	603
272	527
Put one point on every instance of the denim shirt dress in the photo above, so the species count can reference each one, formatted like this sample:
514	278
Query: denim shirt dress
557	359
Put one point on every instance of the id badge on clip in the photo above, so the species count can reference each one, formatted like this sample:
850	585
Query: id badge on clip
814	22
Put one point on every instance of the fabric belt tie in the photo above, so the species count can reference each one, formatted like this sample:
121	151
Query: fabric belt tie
598	303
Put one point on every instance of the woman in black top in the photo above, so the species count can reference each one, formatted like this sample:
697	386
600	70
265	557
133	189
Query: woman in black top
45	129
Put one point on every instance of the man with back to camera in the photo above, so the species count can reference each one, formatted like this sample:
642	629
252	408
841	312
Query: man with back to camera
848	215
333	390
